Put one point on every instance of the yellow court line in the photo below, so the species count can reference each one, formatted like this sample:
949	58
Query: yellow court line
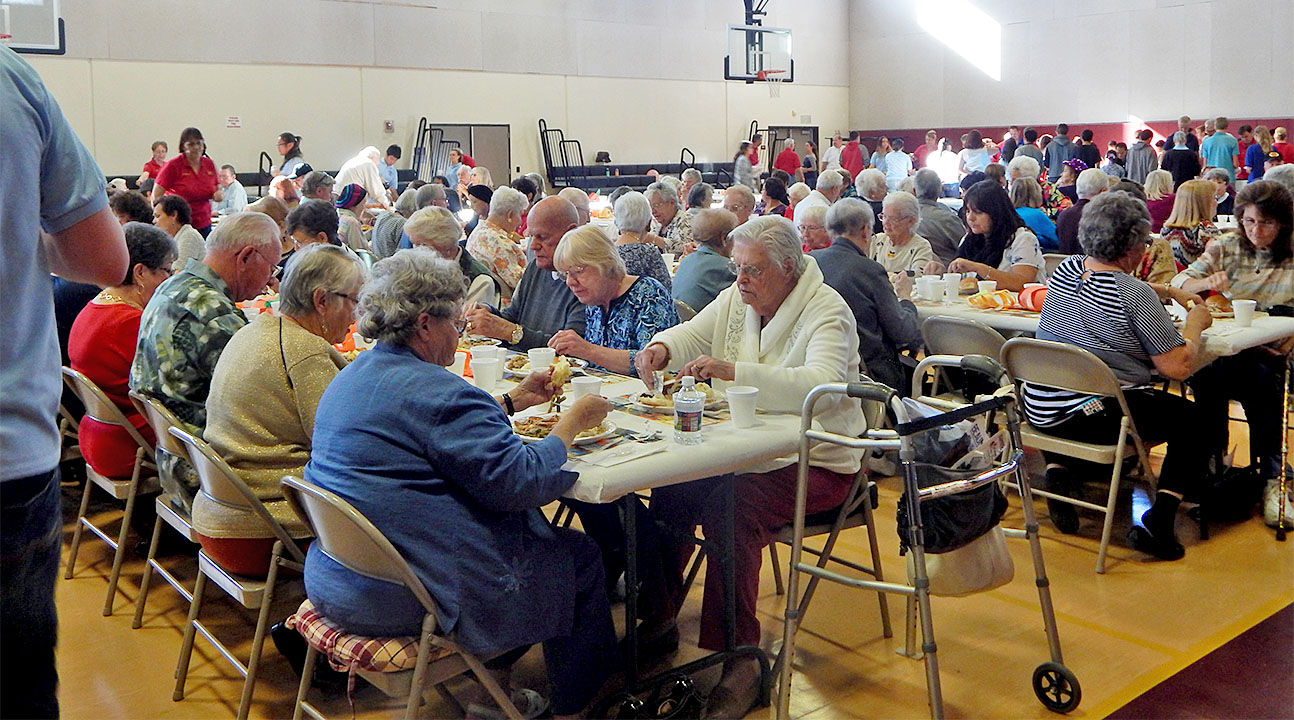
1129	692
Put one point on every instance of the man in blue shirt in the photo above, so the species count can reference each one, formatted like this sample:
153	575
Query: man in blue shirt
1221	149
386	169
55	218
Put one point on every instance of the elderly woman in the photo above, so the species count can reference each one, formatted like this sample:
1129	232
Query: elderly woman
264	392
171	213
102	344
1094	302
621	311
743	171
1024	166
311	222
192	176
794	194
1159	197
130	206
899	248
700	197
813	228
691	177
740	201
496	243
703	274
872	188
633	218
1066	184
668	219
781	329
444	449
997	245
1026	196
438	229
1254	263
1223	195
1189	227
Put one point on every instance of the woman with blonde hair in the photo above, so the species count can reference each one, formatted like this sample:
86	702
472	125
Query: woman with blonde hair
1190	225
1256	155
481	176
1159	197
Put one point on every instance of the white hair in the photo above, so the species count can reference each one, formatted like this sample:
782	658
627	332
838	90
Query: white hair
371	153
790	142
1022	166
589	246
869	181
315	266
576	197
903	203
850	216
1091	182
506	201
632	212
798	191
777	236
692	174
673	182
240	230
748	195
663	191
1283	174
436	225
830	181
815	213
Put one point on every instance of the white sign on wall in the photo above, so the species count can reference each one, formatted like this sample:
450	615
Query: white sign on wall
233	122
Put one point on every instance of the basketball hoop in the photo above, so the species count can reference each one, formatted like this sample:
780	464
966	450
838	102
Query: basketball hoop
774	78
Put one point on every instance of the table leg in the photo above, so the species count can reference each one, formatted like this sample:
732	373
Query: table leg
627	503
1283	486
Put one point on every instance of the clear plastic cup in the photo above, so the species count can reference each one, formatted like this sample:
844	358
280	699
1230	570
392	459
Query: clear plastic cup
741	404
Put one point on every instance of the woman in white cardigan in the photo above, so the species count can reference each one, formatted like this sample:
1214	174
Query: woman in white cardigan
783	330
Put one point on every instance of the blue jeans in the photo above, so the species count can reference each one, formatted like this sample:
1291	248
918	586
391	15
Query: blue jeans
31	529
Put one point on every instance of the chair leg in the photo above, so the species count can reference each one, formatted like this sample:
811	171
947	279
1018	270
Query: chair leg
693	571
80	526
881	598
307	672
190	629
1109	512
420	667
910	633
144	582
262	624
448	697
120	555
493	687
777	569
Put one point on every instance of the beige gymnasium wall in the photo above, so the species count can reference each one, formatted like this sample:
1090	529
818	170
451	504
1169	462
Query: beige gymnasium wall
639	79
1080	62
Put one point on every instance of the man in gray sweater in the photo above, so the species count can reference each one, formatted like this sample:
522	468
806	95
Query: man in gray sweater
1057	152
1142	159
541	304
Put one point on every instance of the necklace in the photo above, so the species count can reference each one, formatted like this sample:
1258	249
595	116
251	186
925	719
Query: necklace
107	297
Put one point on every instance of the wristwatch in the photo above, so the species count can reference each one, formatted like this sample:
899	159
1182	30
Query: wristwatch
517	333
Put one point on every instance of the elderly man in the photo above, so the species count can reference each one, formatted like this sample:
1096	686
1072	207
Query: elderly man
318	185
740	201
788	160
831	156
1091	182
580	200
886	324
702	275
1192	143
830	185
362	170
235	199
668	219
542	304
437	228
938	224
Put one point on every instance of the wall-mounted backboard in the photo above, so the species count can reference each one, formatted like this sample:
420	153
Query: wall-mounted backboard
32	26
758	54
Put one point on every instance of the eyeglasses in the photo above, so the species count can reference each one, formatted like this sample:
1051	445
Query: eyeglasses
747	270
460	324
276	268
811	228
577	271
352	298
1254	223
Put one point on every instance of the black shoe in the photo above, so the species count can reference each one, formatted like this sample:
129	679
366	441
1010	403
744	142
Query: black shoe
1167	548
293	648
1063	515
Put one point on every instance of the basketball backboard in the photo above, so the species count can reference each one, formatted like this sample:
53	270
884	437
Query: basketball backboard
32	26
759	54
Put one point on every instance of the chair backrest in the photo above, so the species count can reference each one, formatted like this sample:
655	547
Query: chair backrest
99	407
161	419
947	335
685	311
1059	365
349	538
366	257
223	485
1051	260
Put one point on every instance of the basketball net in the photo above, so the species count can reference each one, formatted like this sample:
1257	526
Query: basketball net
774	80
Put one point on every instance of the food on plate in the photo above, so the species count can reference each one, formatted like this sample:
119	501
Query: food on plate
969	283
667	401
467	342
517	363
540	426
1219	306
996	300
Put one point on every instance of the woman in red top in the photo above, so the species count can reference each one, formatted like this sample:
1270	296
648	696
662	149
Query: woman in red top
192	176
102	346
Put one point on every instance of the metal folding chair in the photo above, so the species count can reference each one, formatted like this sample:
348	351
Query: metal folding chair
349	538
1051	261
223	485
948	335
1069	367
685	311
98	407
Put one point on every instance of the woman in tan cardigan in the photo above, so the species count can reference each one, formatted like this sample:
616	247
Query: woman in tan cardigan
261	408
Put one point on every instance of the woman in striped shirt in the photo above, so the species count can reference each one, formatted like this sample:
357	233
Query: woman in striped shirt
1094	302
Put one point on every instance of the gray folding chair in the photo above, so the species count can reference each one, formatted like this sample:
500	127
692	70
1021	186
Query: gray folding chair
947	335
1068	367
685	311
98	407
350	539
171	513
223	485
1051	261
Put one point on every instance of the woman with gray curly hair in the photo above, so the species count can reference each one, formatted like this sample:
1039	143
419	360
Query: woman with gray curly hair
1095	302
405	440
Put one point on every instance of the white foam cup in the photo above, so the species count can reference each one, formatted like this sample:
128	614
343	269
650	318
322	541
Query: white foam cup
668	258
541	357
585	385
987	286
459	364
1244	311
741	403
485	372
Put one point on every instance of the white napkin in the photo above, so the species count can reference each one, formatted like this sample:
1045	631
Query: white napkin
624	453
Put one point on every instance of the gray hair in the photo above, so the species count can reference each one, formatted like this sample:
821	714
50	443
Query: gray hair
869	181
748	195
904	203
404	286
371	153
588	246
435	225
1217	173
632	212
314	180
829	181
662	190
1113	224
692	174
850	216
1283	174
407	203
1091	182
798	191
701	196
777	236
1179	138
148	245
240	230
314	267
507	201
712	225
927	184
815	213
673	182
1023	166
1025	192
579	199
541	187
428	195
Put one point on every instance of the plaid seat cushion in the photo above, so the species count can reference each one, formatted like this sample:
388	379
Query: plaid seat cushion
346	651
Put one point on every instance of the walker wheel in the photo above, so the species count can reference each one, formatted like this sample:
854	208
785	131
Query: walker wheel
621	706
1056	687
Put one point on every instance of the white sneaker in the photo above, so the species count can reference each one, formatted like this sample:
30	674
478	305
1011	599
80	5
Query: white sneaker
1271	506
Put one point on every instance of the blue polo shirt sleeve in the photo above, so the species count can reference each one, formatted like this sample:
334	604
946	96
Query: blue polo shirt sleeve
72	187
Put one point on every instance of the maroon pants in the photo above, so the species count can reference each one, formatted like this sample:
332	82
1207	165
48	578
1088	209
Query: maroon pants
764	504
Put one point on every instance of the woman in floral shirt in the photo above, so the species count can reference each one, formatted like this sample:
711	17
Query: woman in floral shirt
495	241
1189	228
622	311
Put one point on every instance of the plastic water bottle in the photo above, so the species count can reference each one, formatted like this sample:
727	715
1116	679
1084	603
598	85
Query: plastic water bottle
688	404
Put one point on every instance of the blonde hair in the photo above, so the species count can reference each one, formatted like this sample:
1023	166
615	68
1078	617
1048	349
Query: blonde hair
1193	205
589	246
484	173
435	225
1264	138
1026	192
1159	183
